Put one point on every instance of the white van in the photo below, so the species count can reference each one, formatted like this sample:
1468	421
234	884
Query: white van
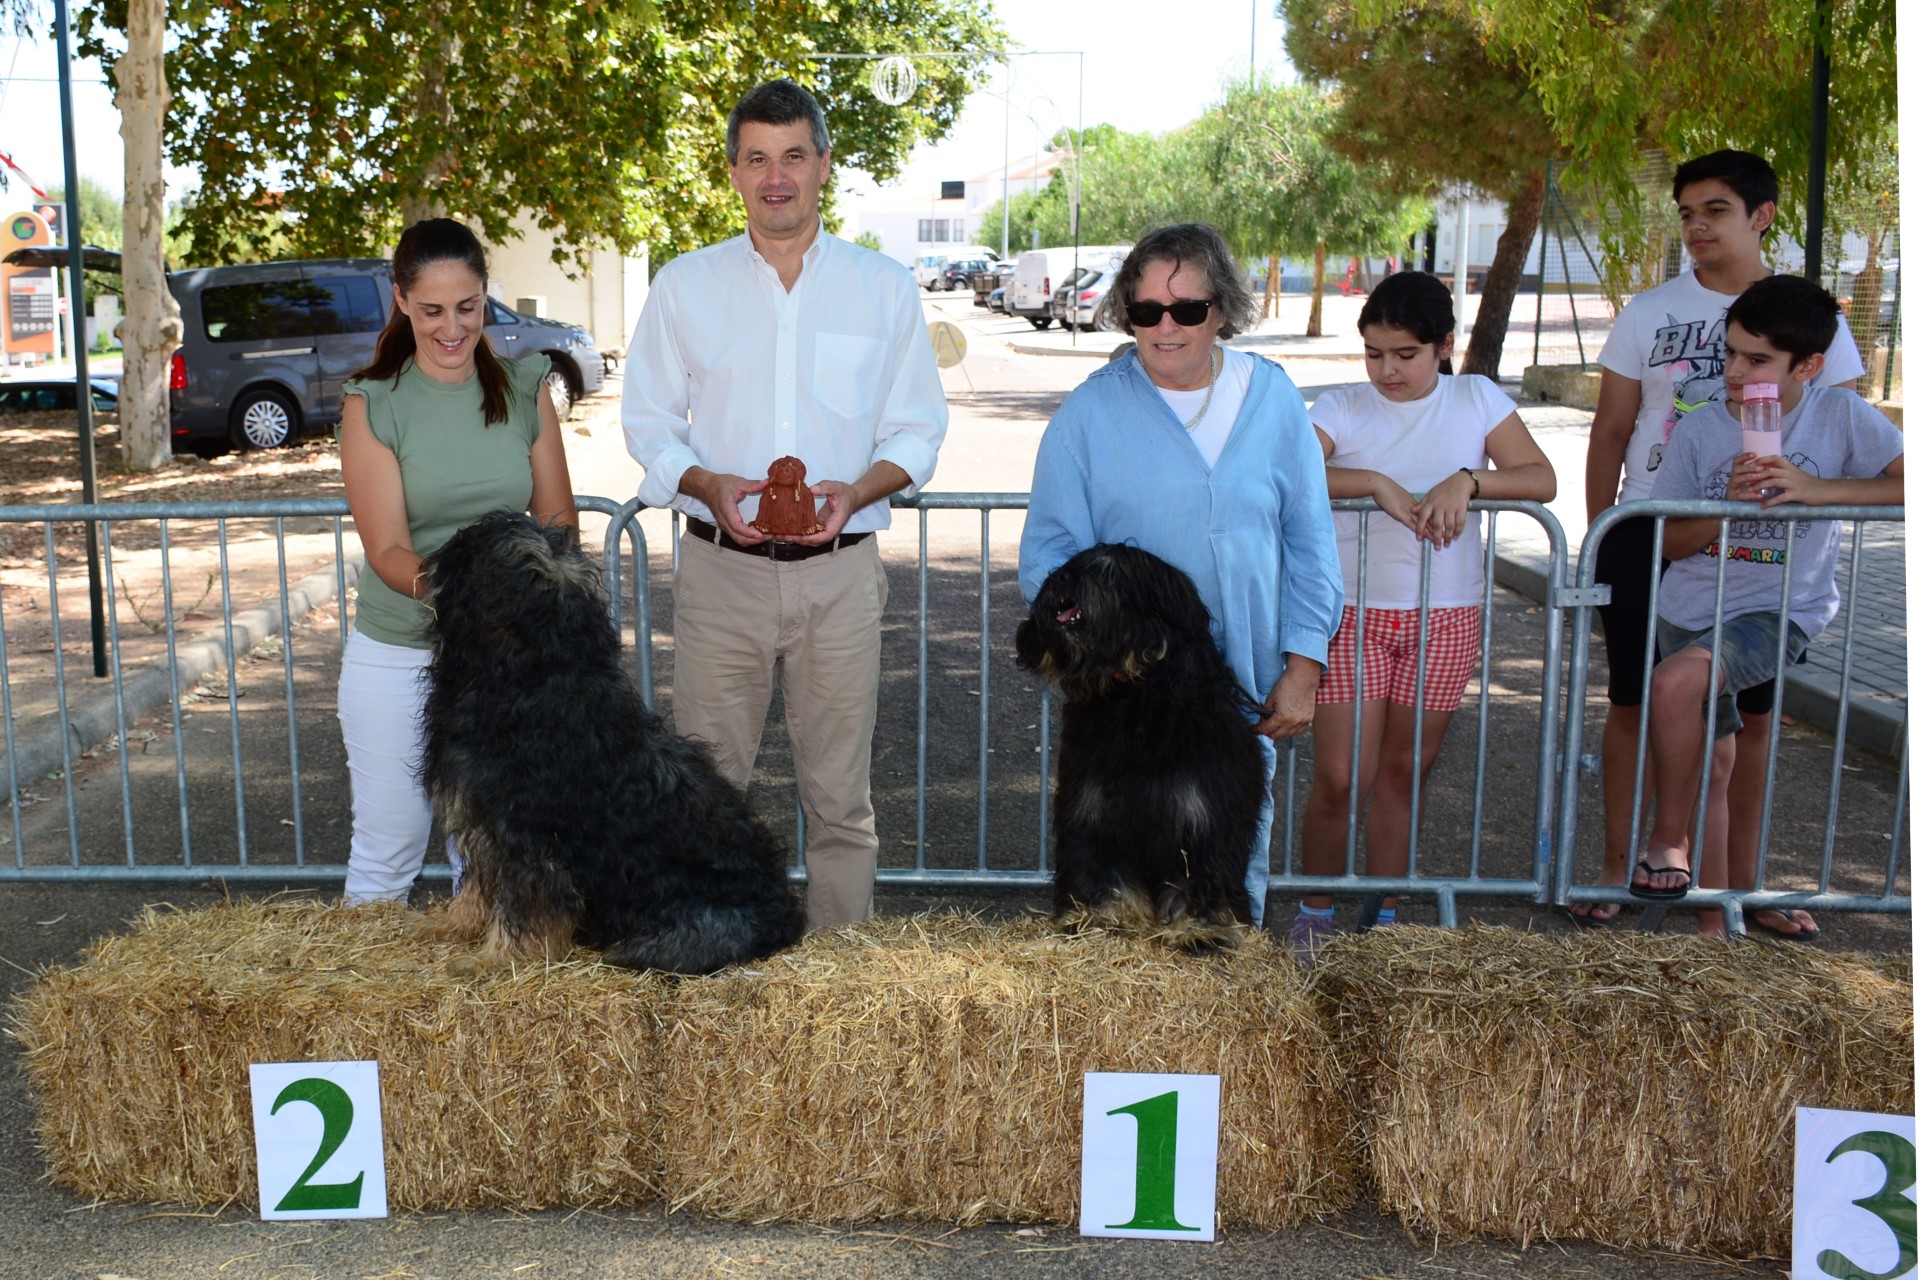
1037	272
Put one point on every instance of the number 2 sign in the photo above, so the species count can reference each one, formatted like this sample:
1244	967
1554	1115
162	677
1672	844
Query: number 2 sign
316	1131
1853	1207
1149	1152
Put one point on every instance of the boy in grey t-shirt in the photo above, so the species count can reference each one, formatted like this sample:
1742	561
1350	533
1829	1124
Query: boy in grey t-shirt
1835	450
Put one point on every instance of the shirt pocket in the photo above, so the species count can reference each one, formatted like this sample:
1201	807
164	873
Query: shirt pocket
848	372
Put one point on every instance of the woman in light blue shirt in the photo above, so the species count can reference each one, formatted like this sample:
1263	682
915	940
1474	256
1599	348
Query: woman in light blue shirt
1204	456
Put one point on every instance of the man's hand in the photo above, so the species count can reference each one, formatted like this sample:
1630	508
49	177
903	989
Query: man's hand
722	493
1290	703
839	501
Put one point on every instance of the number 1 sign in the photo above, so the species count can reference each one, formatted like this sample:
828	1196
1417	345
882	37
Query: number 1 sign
1149	1149
316	1131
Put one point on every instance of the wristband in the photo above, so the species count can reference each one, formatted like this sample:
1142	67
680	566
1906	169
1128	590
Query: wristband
1468	472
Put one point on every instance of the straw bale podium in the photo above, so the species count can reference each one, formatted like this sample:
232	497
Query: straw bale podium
1634	1090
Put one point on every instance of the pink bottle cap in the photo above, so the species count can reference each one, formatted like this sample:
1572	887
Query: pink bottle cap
1760	391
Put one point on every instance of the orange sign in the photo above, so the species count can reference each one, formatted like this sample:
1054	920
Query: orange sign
31	293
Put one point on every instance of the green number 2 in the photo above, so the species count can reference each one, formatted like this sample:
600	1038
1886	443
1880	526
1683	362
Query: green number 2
336	1118
1158	1123
1889	1204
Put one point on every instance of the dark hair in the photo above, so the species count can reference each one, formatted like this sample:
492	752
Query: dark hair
423	244
1184	244
1750	176
776	102
1414	302
1792	313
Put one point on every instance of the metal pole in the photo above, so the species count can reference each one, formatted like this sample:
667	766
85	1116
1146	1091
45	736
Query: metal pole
1817	151
76	307
1006	158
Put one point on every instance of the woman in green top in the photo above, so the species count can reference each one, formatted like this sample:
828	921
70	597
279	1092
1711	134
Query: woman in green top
436	432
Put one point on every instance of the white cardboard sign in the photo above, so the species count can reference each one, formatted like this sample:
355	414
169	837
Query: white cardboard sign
1149	1151
316	1131
1853	1188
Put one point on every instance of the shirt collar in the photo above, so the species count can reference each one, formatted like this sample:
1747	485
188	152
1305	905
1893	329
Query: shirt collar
807	259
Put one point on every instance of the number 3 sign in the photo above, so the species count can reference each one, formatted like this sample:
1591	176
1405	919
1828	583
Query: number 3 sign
1853	1208
316	1131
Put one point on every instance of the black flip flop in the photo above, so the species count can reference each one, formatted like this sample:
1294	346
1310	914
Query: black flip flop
1591	921
1660	895
1798	935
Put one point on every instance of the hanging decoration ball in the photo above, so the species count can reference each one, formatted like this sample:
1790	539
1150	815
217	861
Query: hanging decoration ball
894	80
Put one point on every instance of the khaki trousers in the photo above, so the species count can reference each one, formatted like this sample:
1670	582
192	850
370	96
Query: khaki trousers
741	623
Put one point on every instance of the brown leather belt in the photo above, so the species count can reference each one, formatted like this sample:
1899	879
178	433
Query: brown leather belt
770	550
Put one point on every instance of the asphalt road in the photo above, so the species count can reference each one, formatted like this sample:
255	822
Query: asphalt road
51	1234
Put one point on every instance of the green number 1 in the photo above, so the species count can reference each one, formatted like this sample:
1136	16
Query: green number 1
336	1118
1889	1204
1158	1123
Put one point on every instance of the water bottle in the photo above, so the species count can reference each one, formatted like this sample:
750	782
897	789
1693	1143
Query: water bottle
1760	423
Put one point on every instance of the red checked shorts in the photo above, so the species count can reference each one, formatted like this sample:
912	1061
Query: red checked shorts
1392	656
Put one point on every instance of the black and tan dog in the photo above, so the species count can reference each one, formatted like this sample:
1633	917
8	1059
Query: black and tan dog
1161	779
582	818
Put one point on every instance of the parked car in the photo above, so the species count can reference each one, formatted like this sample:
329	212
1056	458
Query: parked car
43	395
960	273
926	269
1038	272
1074	302
266	347
997	300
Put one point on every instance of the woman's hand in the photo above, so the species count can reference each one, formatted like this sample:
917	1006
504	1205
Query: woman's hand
1290	703
1441	516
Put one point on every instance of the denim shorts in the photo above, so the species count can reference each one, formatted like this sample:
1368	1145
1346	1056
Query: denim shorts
1749	645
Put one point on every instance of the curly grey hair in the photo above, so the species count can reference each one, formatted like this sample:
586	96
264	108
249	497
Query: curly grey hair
1188	245
776	102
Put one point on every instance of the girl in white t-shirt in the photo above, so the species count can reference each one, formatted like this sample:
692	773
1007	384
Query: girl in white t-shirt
1408	429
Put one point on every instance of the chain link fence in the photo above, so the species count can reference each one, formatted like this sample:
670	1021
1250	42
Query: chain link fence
1588	272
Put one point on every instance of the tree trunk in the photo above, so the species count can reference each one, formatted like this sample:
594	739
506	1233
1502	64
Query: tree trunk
433	104
1503	277
1319	283
1863	310
151	332
1272	307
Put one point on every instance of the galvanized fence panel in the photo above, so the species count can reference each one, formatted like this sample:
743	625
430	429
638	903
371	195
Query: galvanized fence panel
970	781
1584	595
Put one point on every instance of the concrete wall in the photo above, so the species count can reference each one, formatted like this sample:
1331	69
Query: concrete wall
605	298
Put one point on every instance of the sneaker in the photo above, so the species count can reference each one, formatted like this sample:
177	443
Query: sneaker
1308	935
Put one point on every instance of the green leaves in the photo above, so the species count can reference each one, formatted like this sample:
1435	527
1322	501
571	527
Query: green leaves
317	125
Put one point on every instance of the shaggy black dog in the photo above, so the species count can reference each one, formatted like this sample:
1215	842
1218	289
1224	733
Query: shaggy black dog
1161	779
581	816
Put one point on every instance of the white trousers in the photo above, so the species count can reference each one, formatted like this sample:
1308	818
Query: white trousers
383	689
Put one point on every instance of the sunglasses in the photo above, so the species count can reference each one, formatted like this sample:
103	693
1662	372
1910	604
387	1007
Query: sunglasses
1186	313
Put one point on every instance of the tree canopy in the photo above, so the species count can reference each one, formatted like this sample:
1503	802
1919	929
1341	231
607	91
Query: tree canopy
326	126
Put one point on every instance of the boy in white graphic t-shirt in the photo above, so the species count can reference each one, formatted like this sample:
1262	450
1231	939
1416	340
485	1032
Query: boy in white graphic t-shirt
1664	360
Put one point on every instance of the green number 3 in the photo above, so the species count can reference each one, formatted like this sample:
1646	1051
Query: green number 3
1889	1204
336	1118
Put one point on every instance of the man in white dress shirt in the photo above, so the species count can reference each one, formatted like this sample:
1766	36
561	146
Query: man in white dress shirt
785	341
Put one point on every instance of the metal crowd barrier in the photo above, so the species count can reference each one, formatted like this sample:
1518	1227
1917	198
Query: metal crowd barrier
1440	863
1585	595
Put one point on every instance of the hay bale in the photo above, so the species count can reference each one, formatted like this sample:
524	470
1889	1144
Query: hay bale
1632	1089
527	1089
931	1069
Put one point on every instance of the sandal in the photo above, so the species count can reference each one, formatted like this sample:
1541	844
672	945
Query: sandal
1672	893
1590	919
1799	934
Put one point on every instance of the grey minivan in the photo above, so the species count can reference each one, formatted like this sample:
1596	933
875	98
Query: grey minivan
265	348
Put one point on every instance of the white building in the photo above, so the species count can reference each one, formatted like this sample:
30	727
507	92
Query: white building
605	298
912	225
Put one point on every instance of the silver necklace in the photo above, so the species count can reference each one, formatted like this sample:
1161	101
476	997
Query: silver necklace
1213	375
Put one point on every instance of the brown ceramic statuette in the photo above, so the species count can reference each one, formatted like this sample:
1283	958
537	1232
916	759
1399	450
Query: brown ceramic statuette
786	504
